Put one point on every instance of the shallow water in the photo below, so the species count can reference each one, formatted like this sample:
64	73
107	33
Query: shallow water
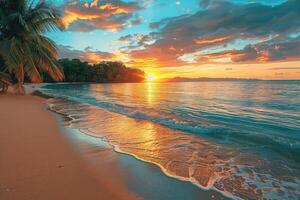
145	180
239	138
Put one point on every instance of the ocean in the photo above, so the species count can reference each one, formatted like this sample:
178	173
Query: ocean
239	138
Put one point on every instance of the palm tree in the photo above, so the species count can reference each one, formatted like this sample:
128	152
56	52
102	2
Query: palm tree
23	45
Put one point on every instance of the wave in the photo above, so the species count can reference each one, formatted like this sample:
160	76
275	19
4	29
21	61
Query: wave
283	145
187	157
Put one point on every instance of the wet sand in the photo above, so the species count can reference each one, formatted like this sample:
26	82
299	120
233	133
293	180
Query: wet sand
145	179
36	162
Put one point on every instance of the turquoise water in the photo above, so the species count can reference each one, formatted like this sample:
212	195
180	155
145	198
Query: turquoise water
241	139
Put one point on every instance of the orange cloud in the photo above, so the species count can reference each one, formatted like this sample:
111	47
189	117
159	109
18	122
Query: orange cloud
94	3
230	54
202	41
264	56
93	57
115	9
79	16
156	56
71	16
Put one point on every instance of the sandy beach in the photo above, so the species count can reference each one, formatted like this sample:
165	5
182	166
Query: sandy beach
36	162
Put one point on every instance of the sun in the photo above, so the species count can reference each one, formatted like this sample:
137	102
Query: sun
150	77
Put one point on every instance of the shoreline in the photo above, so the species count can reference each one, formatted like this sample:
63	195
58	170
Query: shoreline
93	160
207	193
144	178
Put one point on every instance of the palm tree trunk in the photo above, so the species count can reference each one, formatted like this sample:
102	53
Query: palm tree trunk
5	87
20	76
20	88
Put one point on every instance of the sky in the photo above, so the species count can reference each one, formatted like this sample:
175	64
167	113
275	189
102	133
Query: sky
186	38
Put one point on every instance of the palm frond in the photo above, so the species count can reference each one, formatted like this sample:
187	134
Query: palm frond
49	45
15	54
44	18
26	50
46	54
50	65
31	68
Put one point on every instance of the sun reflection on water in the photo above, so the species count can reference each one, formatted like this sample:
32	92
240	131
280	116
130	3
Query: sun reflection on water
149	93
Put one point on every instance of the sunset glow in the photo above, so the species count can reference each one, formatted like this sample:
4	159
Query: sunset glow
150	99
150	77
186	36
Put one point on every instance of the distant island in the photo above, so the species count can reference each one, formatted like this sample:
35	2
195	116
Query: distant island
185	79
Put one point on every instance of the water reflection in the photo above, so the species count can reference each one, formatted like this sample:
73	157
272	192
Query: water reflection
240	138
185	156
150	93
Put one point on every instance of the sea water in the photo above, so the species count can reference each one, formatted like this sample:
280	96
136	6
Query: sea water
240	138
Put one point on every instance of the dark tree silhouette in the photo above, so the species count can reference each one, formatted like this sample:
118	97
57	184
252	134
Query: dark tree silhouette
104	72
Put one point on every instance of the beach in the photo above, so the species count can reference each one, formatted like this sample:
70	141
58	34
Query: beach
36	162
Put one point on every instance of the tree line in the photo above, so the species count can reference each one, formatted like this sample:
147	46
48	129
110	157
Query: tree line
76	70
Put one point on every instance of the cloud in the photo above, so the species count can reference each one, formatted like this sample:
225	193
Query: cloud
269	51
92	56
137	41
273	50
140	38
88	54
125	39
214	40
219	25
111	15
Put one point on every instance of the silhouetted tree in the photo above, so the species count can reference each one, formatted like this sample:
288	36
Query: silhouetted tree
104	72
